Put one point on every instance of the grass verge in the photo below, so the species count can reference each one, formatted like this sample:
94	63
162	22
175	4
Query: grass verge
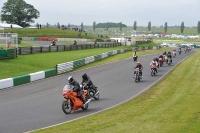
172	105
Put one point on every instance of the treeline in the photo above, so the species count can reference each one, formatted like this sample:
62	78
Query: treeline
109	24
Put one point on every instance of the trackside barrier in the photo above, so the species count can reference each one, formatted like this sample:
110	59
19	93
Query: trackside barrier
64	67
89	59
61	68
4	83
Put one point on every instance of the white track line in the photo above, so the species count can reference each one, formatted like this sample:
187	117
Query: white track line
139	93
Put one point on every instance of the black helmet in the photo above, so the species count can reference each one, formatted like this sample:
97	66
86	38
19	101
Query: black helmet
154	59
70	79
84	76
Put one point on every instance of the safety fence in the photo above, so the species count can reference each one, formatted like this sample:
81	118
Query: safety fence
43	49
60	68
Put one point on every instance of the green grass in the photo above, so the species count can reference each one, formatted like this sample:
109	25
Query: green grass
50	32
171	106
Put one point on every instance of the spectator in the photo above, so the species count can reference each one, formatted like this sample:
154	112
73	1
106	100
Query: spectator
11	26
40	26
117	41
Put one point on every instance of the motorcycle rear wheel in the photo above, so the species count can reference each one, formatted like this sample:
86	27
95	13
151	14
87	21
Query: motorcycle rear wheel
97	96
66	107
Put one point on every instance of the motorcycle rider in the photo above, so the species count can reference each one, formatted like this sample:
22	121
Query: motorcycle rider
154	65
135	55
165	53
139	65
157	60
53	43
169	55
161	56
86	79
76	88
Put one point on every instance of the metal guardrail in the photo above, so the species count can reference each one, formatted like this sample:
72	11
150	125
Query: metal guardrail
42	49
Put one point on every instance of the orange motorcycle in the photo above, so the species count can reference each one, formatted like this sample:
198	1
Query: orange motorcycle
71	101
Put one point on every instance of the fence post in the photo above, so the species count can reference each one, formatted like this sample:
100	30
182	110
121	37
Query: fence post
40	49
49	48
31	50
57	48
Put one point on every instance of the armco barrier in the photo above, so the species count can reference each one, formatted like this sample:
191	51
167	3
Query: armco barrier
64	67
86	60
89	59
97	57
78	63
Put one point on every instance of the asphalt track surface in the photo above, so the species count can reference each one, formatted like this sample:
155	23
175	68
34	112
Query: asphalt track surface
38	104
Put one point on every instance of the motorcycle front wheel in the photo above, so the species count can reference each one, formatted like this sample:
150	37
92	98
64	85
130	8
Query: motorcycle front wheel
85	107
66	107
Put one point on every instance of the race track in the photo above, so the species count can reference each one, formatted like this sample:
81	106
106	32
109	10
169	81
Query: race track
38	104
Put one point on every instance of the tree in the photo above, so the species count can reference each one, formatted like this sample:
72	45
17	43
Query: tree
135	25
120	26
18	12
58	25
182	27
68	26
165	27
47	25
198	27
82	26
107	26
94	25
149	26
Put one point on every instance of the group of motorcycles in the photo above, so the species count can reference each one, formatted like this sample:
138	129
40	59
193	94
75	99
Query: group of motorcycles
161	61
71	100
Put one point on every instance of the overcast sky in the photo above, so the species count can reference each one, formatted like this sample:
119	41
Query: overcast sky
126	11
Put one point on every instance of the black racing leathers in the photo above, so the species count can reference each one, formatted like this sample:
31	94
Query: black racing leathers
76	88
89	82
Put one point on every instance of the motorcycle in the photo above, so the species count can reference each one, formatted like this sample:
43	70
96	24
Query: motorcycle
179	51
153	70
71	101
170	61
173	53
137	75
166	59
91	93
160	62
135	58
185	50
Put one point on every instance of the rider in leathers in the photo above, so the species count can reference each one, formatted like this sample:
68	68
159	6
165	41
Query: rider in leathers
139	65
76	87
169	55
86	79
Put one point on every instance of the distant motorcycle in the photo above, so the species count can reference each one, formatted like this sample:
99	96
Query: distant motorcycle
137	75
170	61
179	51
173	53
160	62
153	70
135	58
71	101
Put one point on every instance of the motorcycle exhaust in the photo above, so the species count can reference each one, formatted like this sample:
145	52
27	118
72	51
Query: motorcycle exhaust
87	101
